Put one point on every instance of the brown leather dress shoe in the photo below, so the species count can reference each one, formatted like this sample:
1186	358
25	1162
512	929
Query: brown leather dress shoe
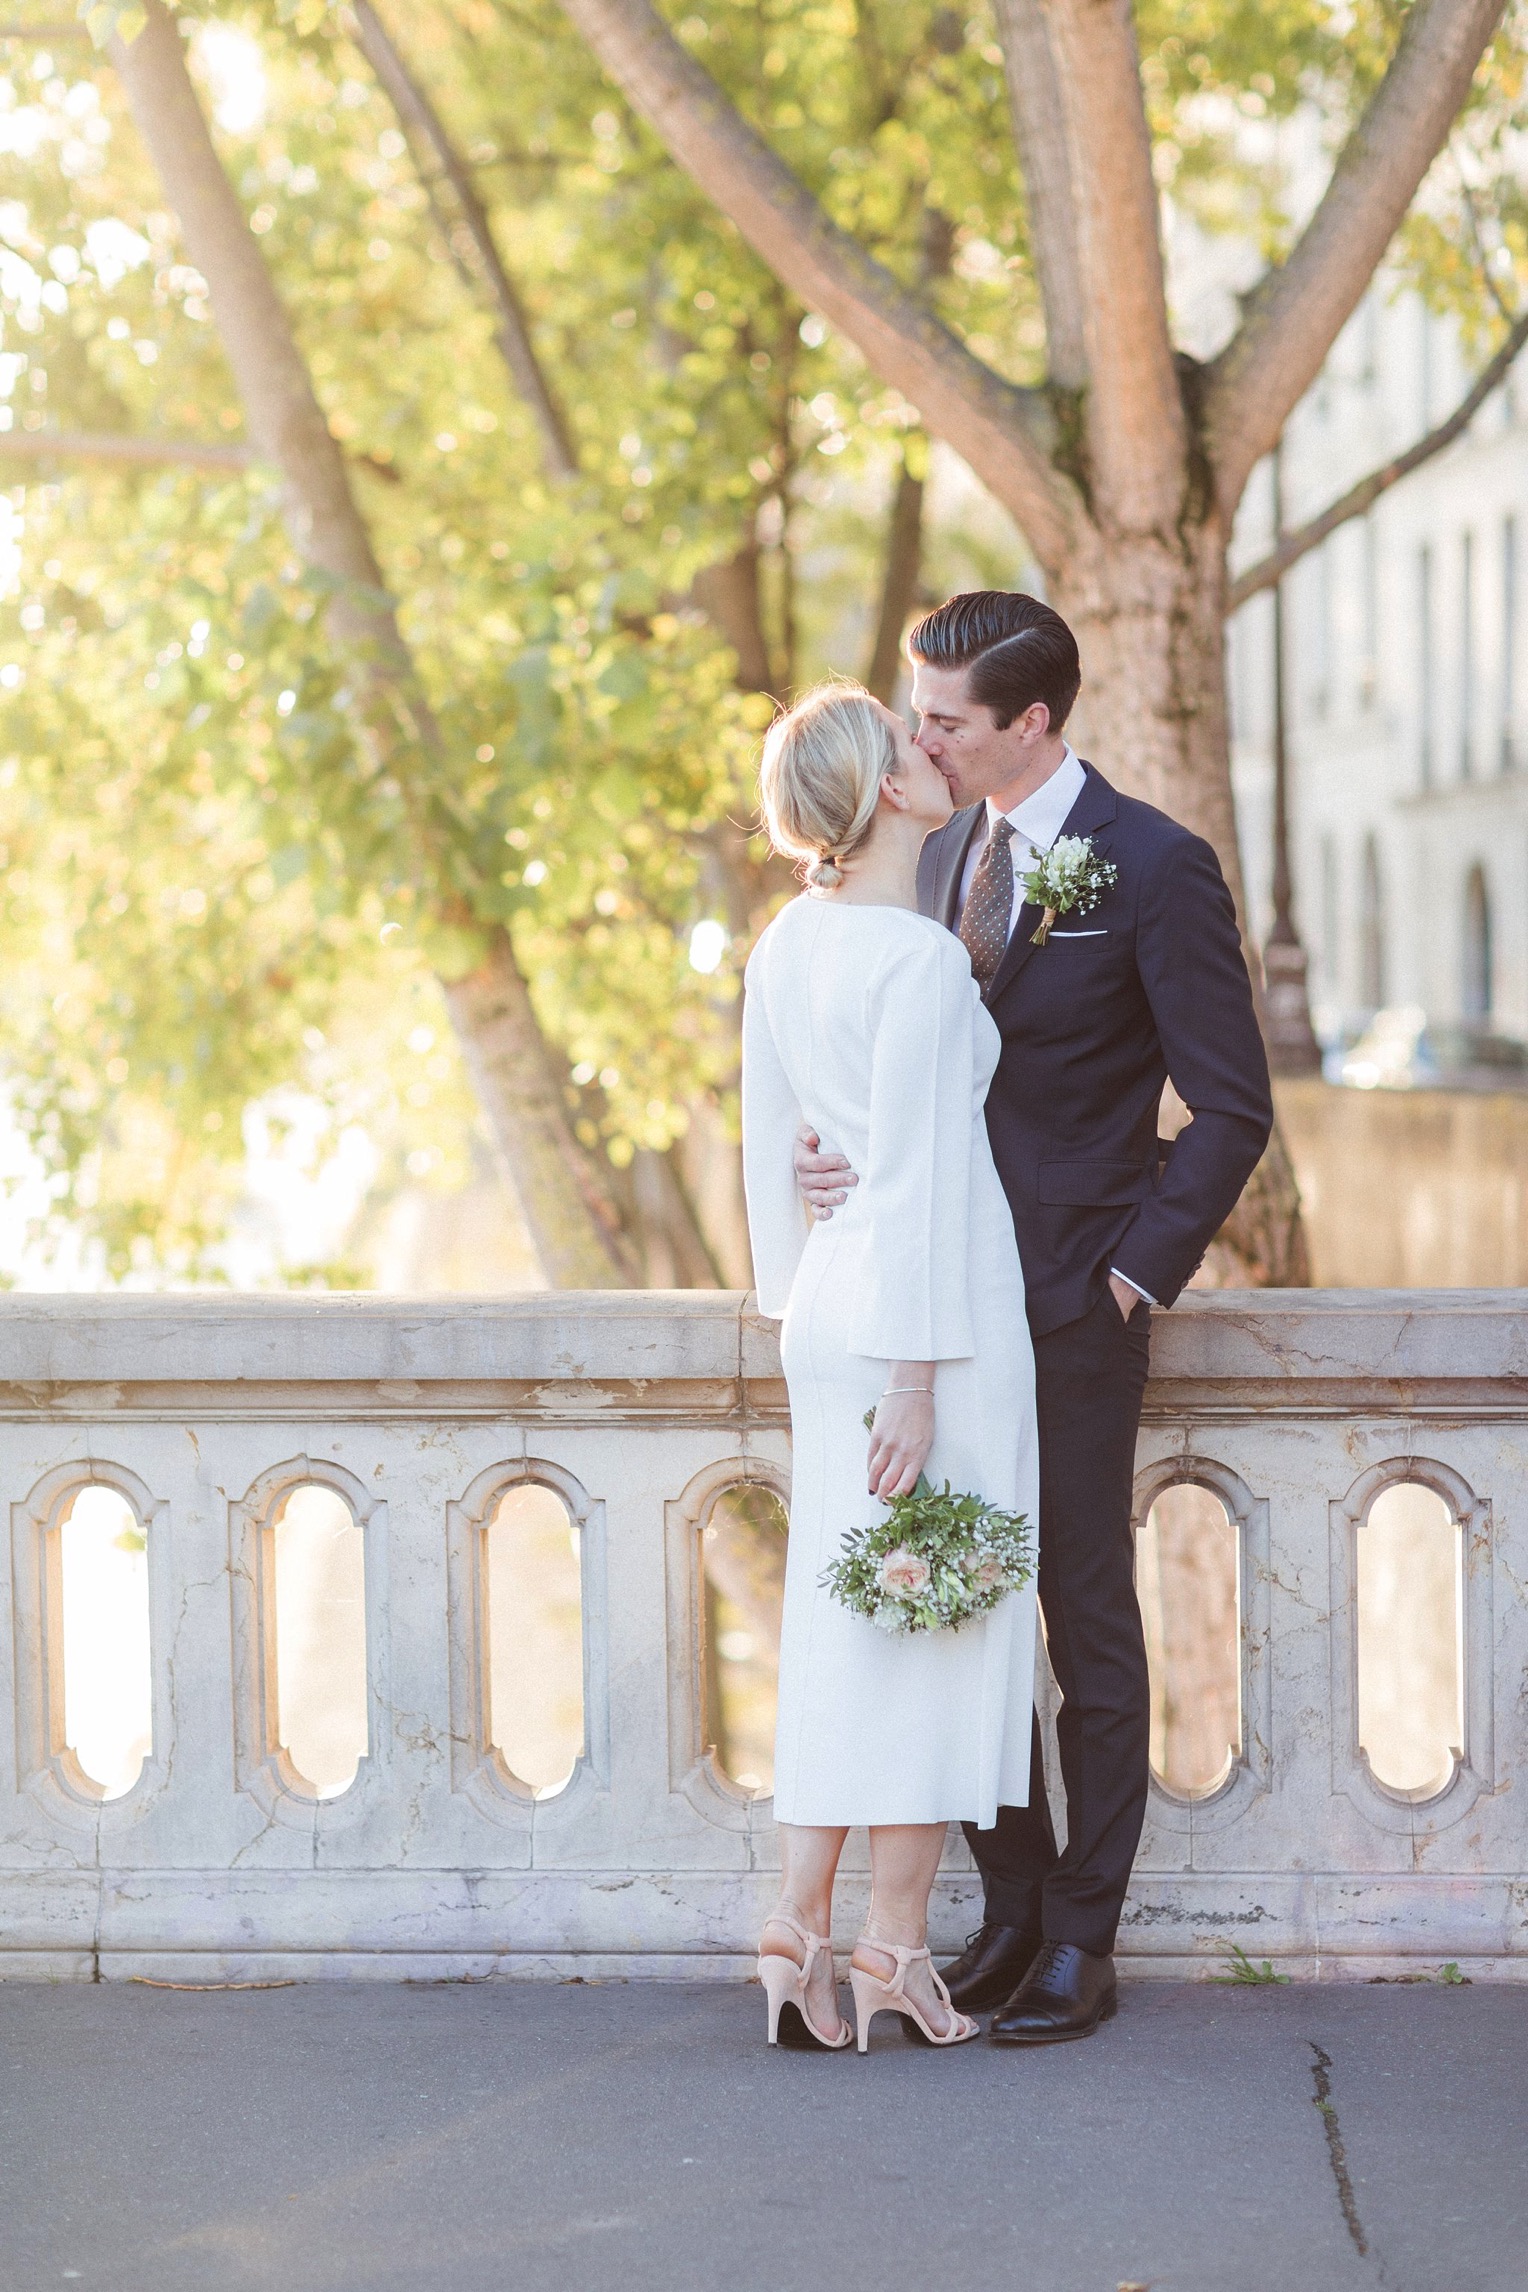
1066	1993
990	1967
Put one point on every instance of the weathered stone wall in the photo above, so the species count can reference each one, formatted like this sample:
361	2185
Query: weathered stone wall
1296	1410
1412	1189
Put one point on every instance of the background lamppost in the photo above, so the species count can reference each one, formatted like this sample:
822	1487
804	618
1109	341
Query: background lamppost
1292	1044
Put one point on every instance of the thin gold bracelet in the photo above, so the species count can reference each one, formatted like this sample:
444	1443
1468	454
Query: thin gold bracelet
892	1390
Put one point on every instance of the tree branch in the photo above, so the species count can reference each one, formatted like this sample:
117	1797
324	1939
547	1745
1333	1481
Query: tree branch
1136	429
1271	569
286	421
1039	130
1296	312
421	119
1003	432
88	445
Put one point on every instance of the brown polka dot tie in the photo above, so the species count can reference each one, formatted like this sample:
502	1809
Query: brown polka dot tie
988	914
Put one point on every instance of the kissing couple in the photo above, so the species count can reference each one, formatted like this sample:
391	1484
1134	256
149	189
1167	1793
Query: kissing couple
955	1044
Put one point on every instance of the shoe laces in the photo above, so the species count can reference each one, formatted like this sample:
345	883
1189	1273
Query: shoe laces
1047	1965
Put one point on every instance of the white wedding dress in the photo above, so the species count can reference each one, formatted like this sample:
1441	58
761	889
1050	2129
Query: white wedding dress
866	1023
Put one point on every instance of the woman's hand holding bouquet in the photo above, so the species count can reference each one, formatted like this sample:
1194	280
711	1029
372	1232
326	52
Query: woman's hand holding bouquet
936	1559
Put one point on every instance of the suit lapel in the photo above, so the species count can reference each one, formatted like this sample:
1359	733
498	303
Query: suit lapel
1093	810
955	840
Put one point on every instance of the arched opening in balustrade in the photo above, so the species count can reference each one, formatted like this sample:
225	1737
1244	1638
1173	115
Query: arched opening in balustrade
1410	1597
1188	1578
100	1575
318	1566
533	1620
742	1545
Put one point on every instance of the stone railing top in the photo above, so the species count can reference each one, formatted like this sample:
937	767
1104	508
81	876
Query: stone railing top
544	1337
599	1350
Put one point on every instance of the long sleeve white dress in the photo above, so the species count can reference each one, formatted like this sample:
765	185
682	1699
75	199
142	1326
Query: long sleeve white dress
865	1022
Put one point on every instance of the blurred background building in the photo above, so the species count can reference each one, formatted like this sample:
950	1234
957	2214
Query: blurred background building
1403	690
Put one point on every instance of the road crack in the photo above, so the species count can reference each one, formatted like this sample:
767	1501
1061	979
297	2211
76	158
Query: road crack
1321	2076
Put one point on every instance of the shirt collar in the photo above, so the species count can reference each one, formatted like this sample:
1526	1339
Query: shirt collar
1042	816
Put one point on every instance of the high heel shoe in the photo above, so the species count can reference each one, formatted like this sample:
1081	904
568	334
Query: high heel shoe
785	1986
874	1994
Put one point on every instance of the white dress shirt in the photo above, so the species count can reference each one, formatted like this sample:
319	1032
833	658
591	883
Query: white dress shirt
1037	822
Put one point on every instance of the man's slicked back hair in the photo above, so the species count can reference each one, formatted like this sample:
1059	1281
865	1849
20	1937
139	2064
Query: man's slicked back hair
1016	650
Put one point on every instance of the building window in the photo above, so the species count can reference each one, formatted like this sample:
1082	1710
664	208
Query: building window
1368	667
1478	966
1467	657
1369	369
1508	643
1425	368
1371	930
1425	662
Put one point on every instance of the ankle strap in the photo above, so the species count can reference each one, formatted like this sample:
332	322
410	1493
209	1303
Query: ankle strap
810	1942
904	1957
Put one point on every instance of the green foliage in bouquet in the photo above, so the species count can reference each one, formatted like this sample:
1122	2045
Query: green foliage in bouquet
933	1562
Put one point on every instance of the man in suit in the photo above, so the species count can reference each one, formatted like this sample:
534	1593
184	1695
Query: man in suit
1148	983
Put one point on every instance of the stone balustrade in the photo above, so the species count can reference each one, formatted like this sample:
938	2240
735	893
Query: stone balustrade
1295	1412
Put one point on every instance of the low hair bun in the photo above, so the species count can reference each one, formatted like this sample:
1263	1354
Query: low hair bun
820	779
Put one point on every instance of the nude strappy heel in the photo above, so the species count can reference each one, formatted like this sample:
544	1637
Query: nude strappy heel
785	1986
873	1995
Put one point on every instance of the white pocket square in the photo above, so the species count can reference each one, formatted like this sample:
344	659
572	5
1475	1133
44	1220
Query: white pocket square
1055	934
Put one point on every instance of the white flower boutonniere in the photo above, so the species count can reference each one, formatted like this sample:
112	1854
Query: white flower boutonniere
1069	879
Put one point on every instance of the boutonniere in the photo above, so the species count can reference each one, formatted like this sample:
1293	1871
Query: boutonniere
1069	879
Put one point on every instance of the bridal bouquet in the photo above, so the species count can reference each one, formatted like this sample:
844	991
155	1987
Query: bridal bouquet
1069	879
935	1560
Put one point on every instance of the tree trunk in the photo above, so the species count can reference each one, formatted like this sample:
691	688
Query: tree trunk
1148	616
899	583
520	1092
728	595
570	1208
1150	622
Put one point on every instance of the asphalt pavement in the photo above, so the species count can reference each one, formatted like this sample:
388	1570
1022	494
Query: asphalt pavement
552	2138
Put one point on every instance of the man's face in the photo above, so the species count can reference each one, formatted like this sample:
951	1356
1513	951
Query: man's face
958	734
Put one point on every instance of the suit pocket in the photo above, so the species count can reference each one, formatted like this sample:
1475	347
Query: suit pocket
1092	1185
1055	934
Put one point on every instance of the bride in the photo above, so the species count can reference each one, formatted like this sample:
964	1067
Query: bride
862	1020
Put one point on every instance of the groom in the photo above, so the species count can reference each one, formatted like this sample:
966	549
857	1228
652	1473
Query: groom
1111	1220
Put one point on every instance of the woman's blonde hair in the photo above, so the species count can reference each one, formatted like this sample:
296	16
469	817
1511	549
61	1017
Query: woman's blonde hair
820	778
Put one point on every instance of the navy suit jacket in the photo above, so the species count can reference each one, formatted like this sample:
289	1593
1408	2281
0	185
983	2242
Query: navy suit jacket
1151	983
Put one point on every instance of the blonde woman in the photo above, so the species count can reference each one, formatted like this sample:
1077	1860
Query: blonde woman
863	1022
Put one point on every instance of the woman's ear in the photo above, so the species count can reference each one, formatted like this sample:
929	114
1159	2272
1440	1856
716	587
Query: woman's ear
896	795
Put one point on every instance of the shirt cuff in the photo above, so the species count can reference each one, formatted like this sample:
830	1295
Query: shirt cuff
1135	1285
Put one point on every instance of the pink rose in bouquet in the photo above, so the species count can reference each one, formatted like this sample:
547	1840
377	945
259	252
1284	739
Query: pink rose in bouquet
903	1575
